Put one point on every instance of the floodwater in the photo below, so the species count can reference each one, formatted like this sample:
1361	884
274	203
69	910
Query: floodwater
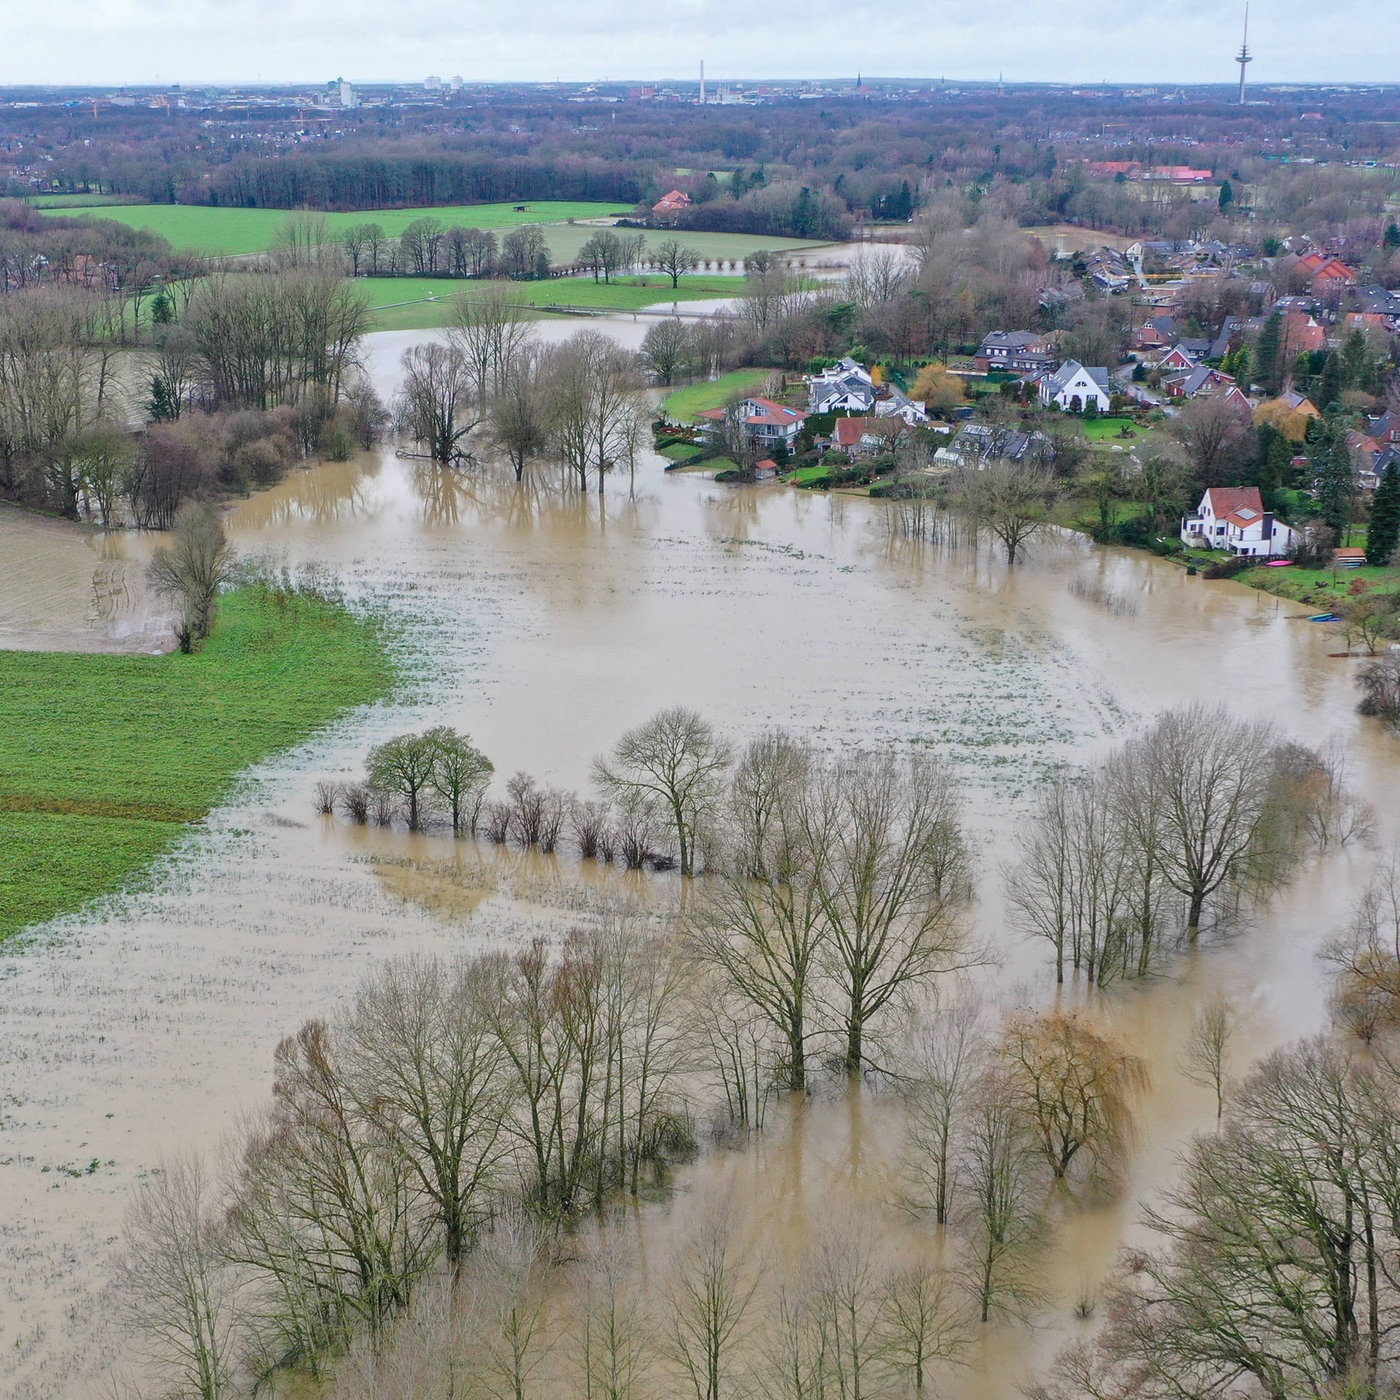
545	623
68	589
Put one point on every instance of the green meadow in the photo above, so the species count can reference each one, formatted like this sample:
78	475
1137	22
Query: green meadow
219	231
422	303
106	760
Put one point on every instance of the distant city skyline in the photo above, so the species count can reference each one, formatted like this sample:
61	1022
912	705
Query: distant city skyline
296	41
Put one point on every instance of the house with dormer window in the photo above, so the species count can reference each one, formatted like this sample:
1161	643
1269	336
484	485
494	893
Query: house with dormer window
1233	518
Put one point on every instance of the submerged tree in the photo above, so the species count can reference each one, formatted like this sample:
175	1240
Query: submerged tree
193	568
435	402
675	764
1073	1087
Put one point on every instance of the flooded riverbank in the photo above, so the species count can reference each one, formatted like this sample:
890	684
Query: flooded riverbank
545	623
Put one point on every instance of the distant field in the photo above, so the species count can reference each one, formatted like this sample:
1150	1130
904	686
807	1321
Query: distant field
684	404
235	231
254	230
403	303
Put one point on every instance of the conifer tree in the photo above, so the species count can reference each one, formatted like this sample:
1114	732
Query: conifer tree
1384	534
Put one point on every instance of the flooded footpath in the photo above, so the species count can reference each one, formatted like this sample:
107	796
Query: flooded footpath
544	623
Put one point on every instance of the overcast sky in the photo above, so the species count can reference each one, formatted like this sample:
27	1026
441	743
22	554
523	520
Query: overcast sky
199	41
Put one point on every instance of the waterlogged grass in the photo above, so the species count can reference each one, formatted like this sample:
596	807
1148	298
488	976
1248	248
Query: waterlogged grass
683	405
424	303
105	760
210	230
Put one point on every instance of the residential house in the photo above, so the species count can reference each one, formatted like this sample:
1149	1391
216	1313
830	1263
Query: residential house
1179	359
1327	272
866	437
1072	386
1108	269
1015	352
1156	333
1233	518
890	403
847	387
770	425
670	205
1195	383
976	444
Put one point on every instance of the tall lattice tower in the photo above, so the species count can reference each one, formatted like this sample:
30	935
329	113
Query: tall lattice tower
1244	56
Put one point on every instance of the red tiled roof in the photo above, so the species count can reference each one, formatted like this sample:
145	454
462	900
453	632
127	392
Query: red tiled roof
1225	501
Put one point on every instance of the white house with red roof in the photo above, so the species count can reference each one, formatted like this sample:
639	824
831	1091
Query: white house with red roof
1233	518
770	424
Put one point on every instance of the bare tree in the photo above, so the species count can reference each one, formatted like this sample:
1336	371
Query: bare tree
945	1060
1001	1211
1205	1057
1273	1275
192	569
675	762
492	330
1007	499
891	872
706	1302
1215	438
435	402
920	1324
174	1287
597	419
612	1338
668	350
675	259
427	1070
1215	808
518	412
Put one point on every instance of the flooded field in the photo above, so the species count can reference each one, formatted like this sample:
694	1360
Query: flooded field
544	623
66	589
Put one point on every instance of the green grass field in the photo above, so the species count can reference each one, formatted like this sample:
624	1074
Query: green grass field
683	404
234	231
422	303
254	230
104	760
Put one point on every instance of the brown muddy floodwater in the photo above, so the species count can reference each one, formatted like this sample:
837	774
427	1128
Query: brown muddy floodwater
544	623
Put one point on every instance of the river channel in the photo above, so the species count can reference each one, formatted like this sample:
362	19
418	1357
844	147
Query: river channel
544	623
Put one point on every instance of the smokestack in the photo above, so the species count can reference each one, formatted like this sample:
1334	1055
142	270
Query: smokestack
702	82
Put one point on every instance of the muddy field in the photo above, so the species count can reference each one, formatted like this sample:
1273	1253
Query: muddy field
544	624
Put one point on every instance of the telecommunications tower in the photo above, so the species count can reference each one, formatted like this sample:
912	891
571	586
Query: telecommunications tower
1244	56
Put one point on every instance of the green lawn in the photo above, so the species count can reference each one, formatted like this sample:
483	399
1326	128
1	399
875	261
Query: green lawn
1100	429
684	404
420	303
104	760
1321	586
230	231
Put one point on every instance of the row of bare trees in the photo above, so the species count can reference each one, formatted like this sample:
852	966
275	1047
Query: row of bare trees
423	1147
447	1095
1182	822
